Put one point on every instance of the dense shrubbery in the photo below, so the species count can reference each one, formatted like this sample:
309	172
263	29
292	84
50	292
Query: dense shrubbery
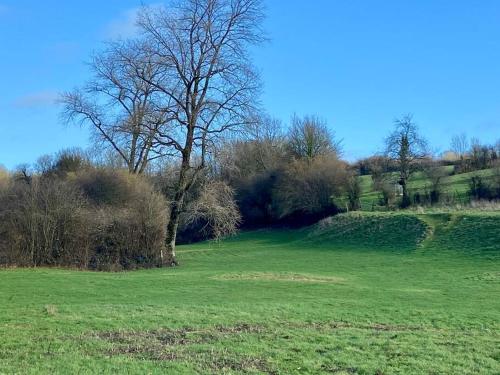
70	212
479	189
307	187
375	165
288	179
91	218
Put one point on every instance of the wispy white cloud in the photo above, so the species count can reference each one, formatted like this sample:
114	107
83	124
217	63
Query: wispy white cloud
37	99
125	24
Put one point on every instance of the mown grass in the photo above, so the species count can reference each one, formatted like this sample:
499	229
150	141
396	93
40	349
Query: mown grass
337	298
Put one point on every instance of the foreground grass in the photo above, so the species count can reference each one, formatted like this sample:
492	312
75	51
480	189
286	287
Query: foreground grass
339	298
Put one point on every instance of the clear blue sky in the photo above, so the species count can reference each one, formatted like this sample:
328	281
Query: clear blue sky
356	63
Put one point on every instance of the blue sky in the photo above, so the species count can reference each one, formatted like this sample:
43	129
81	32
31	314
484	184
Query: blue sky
358	64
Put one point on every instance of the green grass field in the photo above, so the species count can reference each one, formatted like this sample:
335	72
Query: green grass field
377	293
455	186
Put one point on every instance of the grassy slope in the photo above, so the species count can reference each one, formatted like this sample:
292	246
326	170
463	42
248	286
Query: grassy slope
455	185
311	301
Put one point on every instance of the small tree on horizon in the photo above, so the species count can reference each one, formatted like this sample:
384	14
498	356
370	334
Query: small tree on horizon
406	147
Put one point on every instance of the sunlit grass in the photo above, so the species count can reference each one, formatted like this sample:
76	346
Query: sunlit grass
284	302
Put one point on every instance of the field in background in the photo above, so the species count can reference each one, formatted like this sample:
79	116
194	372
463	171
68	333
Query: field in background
455	186
372	293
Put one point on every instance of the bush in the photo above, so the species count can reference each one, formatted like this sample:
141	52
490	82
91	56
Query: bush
354	193
43	223
213	213
97	219
387	192
129	229
478	189
307	187
255	198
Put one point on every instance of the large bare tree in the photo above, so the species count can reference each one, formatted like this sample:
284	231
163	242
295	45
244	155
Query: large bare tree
460	145
406	147
120	106
205	78
309	137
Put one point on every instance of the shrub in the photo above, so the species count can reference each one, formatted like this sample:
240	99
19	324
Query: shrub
212	214
354	193
255	198
307	187
129	228
387	193
43	223
478	189
97	219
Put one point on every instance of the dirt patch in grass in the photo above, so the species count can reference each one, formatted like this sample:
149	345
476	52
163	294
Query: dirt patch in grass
182	336
50	310
175	345
288	277
492	277
223	361
377	327
211	349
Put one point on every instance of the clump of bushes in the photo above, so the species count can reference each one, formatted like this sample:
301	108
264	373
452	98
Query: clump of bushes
307	187
90	218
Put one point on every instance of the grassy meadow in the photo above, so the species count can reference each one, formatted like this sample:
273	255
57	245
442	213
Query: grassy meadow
372	293
455	186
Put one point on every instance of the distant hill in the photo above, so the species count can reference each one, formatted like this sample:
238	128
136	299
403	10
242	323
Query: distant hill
453	185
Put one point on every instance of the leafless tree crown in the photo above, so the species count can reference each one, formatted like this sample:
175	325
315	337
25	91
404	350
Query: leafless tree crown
310	137
120	106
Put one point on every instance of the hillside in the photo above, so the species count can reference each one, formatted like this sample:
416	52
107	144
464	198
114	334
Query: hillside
453	185
467	232
374	293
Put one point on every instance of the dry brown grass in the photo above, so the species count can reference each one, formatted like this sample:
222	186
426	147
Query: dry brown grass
271	276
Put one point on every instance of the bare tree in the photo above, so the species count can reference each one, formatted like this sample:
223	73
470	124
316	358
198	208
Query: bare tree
460	145
264	149
435	174
310	137
206	81
406	147
119	105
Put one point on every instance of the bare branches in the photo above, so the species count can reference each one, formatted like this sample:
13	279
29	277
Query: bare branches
460	145
406	141
310	137
200	49
120	107
176	90
204	79
405	146
215	208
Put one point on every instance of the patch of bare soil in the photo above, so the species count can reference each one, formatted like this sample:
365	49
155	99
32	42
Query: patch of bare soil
270	276
491	277
173	345
377	327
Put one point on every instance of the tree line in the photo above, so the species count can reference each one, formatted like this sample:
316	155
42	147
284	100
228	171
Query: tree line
183	151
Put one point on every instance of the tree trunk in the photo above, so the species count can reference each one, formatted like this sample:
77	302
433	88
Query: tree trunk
406	197
169	257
